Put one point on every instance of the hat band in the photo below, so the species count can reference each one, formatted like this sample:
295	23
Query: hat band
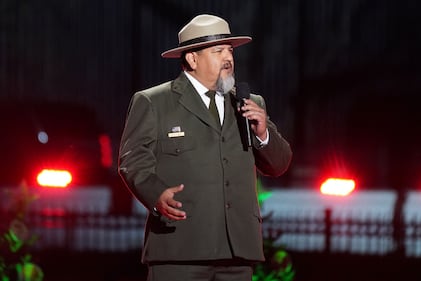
204	39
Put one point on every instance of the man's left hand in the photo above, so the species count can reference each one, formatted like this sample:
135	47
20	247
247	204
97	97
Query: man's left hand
257	116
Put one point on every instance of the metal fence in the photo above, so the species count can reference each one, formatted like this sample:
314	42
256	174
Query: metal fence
324	233
318	232
87	232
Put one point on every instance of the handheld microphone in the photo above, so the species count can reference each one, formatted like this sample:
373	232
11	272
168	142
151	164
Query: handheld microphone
243	92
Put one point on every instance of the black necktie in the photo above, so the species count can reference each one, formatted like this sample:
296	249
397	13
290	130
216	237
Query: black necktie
212	106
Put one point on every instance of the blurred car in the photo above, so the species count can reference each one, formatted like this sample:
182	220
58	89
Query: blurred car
63	139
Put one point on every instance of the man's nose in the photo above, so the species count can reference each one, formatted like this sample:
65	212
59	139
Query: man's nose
228	56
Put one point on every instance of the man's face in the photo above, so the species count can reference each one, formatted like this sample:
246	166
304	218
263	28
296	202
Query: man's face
213	63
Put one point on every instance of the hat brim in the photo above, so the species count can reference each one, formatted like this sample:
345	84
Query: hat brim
234	41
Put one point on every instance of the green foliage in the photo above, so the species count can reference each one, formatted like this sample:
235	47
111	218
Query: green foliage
15	261
278	265
262	194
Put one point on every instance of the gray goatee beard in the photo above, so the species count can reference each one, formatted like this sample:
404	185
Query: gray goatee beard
225	85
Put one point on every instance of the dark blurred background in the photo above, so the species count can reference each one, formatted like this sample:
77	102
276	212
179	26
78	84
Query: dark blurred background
341	78
318	64
334	73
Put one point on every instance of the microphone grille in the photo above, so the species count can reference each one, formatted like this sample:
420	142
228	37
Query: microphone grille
242	90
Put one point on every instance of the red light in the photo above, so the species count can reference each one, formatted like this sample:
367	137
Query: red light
54	178
53	212
337	186
106	151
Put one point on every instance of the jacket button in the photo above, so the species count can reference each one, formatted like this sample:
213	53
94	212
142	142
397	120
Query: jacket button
177	150
223	139
227	205
227	183
225	160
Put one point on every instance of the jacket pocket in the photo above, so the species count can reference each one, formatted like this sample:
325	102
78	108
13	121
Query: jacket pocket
177	146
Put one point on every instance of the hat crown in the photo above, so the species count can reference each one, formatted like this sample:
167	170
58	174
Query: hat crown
204	30
203	25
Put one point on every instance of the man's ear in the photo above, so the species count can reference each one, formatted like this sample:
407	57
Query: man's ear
191	60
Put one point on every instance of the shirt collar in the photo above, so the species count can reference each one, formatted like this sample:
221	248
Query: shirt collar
202	90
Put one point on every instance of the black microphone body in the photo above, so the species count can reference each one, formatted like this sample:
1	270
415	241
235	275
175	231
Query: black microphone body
243	92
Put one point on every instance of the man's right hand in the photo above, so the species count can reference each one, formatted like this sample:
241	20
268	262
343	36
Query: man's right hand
168	207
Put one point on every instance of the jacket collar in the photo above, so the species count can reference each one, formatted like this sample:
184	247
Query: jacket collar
191	100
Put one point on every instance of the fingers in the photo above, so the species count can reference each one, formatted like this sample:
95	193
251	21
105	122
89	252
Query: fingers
252	111
170	207
257	115
173	203
174	214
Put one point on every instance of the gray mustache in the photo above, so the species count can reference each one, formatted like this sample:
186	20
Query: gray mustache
227	65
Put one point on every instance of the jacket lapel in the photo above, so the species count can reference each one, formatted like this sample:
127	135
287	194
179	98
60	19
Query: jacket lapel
191	100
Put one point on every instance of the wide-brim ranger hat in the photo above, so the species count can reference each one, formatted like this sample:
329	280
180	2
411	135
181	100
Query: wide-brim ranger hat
204	30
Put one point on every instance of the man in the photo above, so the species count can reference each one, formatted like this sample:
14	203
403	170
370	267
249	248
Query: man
191	170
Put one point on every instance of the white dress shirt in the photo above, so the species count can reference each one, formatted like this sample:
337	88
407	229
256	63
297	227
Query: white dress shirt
219	100
202	90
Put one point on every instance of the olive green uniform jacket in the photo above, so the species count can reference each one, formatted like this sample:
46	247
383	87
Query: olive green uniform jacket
169	139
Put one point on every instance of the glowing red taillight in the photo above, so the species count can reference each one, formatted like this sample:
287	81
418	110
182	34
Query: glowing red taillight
54	178
337	186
